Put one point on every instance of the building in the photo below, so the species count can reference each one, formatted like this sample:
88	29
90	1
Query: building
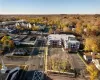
96	59
28	40
18	38
92	57
87	57
23	24
54	40
29	26
19	51
69	42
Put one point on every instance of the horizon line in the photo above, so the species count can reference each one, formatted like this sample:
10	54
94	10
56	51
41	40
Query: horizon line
54	14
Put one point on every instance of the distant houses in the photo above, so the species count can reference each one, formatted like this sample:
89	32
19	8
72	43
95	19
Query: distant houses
93	57
24	24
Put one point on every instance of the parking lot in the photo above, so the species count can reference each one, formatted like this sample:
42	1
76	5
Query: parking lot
36	60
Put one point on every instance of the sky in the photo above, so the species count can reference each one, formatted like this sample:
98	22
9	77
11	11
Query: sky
49	6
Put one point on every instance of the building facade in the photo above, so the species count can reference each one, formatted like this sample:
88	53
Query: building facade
68	42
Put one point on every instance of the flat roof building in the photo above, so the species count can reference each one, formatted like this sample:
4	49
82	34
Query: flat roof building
62	40
54	40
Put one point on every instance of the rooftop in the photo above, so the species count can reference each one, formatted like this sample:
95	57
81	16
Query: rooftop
54	37
60	36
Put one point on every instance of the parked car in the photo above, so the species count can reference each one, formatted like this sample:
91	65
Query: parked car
20	51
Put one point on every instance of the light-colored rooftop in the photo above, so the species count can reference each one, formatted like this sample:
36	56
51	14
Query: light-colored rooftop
54	37
59	36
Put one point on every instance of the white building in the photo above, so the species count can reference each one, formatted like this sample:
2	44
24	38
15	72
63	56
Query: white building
17	24
29	25
54	40
68	41
26	25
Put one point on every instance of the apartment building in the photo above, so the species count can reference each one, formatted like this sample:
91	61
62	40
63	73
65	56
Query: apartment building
54	40
68	42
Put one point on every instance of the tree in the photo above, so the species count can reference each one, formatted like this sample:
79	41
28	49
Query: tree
11	43
93	29
35	28
4	38
18	27
93	71
57	31
7	42
92	44
79	29
58	63
66	29
50	30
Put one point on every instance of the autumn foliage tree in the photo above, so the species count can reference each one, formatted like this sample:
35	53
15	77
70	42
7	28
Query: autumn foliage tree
79	28
35	28
66	29
58	63
93	71
92	44
7	42
51	31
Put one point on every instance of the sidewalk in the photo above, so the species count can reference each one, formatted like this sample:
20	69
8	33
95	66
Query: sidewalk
62	77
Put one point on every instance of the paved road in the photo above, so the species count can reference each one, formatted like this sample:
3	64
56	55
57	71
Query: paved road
36	61
15	61
76	62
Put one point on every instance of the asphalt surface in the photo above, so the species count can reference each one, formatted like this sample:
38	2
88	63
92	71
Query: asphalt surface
36	61
76	62
14	61
53	51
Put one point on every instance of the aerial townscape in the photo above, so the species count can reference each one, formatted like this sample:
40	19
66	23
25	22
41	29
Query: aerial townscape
47	46
40	41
